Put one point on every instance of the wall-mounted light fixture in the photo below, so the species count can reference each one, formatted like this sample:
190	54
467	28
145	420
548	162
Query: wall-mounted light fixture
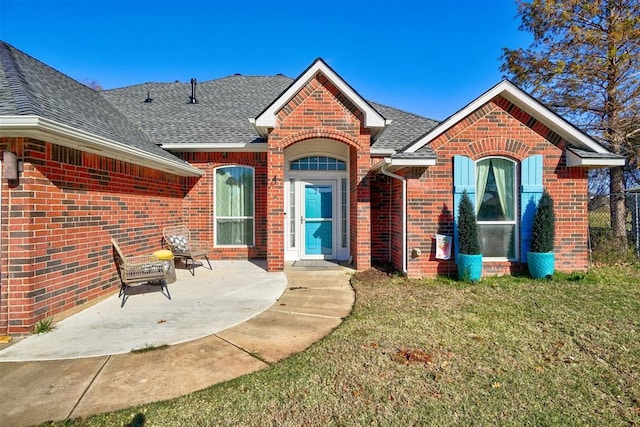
12	166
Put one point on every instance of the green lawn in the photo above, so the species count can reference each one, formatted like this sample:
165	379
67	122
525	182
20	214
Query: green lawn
507	351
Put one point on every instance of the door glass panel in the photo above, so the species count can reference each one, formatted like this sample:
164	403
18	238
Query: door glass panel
318	226
319	238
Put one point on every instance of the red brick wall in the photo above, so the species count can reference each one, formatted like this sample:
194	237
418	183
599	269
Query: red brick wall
58	221
198	208
319	110
386	221
498	128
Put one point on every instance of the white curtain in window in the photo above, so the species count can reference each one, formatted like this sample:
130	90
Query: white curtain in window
482	169
234	205
503	173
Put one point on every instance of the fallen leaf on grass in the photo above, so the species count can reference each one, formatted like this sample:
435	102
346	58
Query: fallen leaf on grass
407	356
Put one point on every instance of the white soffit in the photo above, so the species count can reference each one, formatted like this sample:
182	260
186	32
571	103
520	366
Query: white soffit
574	160
409	162
267	119
393	165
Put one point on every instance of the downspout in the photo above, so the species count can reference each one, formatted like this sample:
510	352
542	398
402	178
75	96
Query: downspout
404	214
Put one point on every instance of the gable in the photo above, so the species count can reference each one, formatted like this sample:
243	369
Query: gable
320	105
532	114
319	70
497	128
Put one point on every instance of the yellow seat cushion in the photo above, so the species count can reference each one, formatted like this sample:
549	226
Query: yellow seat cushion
163	254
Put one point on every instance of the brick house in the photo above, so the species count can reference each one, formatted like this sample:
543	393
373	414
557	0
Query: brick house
268	168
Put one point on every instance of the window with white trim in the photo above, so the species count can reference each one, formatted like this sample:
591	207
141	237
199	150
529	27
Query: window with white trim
496	208
234	206
505	225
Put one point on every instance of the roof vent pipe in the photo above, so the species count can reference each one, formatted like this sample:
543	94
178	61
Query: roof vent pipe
194	82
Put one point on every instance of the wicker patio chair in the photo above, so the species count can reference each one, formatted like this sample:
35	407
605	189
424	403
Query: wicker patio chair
138	270
178	237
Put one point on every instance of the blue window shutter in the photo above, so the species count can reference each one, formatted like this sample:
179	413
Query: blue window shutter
530	194
464	178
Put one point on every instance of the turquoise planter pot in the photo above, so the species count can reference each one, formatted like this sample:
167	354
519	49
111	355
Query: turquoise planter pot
469	267
541	264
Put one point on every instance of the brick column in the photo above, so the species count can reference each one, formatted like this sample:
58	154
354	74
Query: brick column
275	209
360	208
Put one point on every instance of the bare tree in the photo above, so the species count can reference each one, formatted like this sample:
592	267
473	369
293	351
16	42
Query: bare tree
93	84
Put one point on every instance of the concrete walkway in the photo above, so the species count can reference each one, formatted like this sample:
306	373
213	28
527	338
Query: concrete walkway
313	302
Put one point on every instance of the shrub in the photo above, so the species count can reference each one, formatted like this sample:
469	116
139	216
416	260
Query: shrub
467	227
544	225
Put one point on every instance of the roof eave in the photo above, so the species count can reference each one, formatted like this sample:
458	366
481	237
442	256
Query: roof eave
392	165
381	151
51	131
574	160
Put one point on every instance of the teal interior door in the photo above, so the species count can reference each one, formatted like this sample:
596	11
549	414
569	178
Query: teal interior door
318	220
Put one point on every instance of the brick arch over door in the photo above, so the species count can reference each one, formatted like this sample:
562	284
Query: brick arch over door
330	134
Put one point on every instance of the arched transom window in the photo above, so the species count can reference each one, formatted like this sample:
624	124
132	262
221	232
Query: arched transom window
318	163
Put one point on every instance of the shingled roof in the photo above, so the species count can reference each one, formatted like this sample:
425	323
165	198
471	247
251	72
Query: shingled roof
404	129
29	87
224	107
149	115
221	114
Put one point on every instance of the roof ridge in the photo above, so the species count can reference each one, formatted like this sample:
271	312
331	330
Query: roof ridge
25	101
216	79
404	111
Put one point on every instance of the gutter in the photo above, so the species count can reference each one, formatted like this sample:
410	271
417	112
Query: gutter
214	147
51	131
384	170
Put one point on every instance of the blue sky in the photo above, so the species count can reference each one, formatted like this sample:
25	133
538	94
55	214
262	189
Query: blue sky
429	57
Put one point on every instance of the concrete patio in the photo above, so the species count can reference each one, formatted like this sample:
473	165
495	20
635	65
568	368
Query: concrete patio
220	324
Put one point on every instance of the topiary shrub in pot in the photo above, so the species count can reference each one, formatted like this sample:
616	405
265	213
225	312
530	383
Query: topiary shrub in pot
540	257
469	258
